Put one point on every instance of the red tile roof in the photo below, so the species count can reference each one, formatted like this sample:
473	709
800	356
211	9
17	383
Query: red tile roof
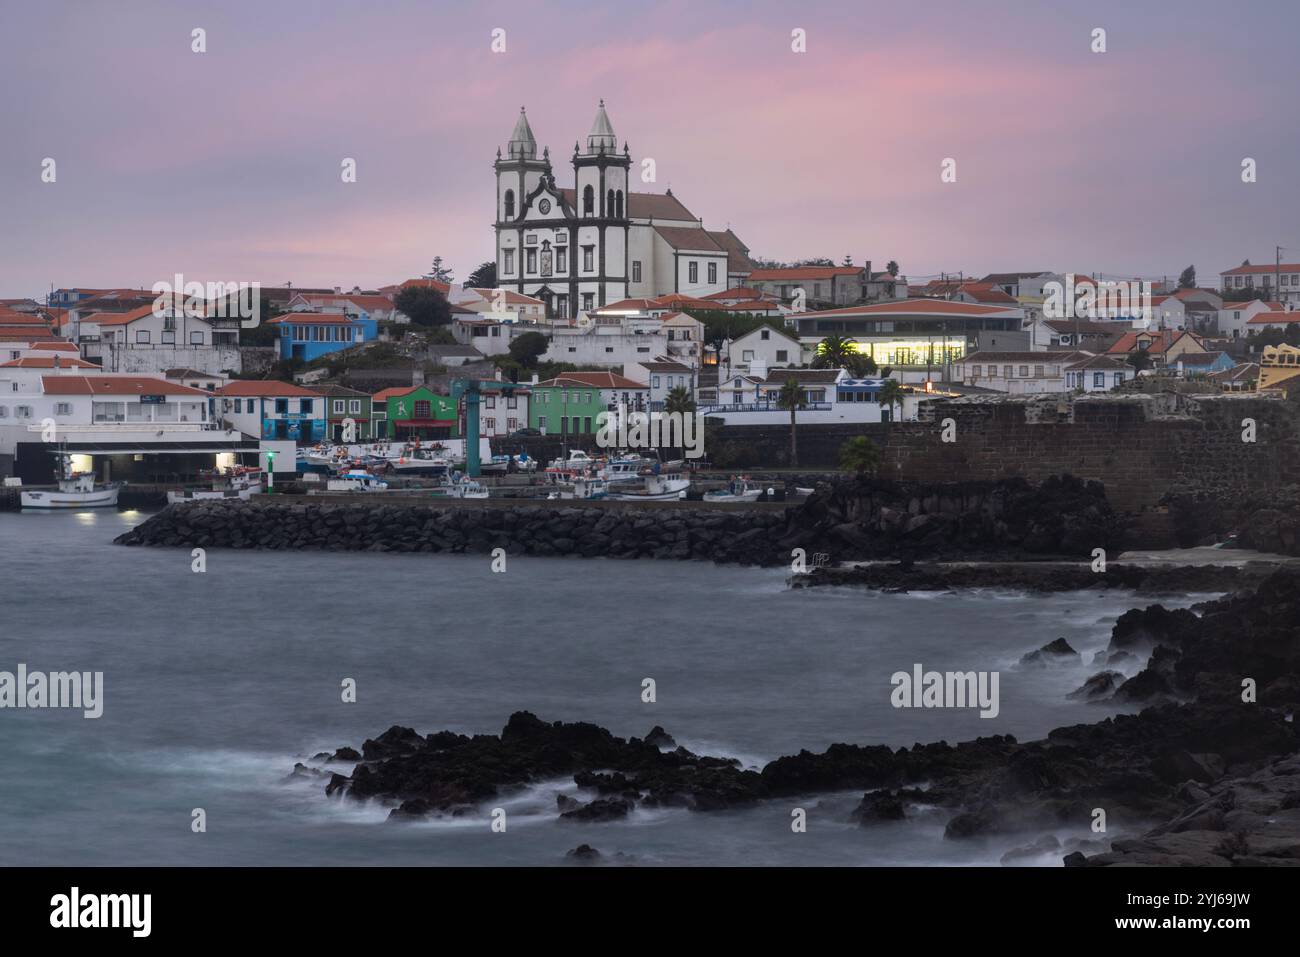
56	346
383	395
1274	318
265	387
803	272
113	385
1262	267
914	307
48	362
596	380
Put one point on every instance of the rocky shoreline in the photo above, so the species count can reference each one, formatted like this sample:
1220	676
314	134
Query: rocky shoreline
1214	754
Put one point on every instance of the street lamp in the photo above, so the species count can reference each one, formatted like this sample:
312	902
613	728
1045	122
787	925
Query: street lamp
270	471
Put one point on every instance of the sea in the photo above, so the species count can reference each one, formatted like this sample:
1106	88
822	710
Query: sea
216	682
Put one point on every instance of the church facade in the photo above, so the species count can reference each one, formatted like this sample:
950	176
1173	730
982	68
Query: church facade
588	246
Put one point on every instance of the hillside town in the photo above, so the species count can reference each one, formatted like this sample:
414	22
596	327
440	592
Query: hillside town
600	299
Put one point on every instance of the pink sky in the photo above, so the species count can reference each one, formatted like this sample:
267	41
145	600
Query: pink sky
225	165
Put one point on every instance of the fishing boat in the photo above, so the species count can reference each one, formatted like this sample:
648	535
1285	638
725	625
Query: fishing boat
239	483
76	490
461	486
422	461
355	480
623	469
498	465
582	488
577	459
739	489
656	487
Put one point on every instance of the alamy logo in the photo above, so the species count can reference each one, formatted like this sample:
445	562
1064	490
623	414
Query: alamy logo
650	430
946	689
72	910
1089	299
214	300
55	689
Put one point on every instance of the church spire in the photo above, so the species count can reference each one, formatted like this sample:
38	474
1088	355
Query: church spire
601	139
523	145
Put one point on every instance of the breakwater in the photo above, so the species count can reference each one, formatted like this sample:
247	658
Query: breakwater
852	520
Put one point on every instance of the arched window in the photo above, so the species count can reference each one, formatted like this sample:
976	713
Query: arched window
510	204
618	204
588	201
609	203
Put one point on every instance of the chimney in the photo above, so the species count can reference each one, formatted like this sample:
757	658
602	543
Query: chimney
58	361
868	270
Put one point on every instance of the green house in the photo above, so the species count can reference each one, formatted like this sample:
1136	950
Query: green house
347	411
416	413
569	404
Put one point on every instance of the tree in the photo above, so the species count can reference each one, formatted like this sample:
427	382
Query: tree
861	365
439	272
484	277
1139	359
859	454
892	268
791	397
679	400
1187	279
528	348
423	306
834	353
891	394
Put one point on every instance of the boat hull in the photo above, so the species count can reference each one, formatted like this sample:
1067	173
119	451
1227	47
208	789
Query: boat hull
101	498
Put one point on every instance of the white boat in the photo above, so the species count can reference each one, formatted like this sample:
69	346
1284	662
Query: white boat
356	480
424	461
582	489
623	470
737	490
76	490
577	459
664	487
498	464
460	486
240	484
525	463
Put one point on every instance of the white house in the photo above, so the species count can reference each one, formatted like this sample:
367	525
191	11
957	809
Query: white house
501	414
148	340
1017	373
1097	374
662	376
129	425
766	345
1277	281
1234	316
271	409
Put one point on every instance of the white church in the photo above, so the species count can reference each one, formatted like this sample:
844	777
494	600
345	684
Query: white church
583	248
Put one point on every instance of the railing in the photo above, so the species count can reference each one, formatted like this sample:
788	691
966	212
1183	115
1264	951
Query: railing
765	407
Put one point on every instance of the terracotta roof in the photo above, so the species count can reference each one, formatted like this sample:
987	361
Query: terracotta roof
664	367
596	380
1161	341
1099	362
312	318
1086	327
675	300
1242	370
258	388
1262	267
641	305
1274	318
802	272
383	395
442	287
738	260
749	305
1033	357
644	205
119	318
913	307
512	298
685	237
366	303
48	362
56	346
1198	358
114	385
740	292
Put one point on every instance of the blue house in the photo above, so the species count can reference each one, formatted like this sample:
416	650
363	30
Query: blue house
309	335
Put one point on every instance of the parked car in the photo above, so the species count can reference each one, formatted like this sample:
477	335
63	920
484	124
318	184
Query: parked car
525	433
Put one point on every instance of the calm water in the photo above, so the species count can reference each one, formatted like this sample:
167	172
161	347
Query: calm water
216	683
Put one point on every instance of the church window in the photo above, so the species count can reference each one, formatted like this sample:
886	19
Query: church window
562	305
693	272
588	302
713	272
636	270
588	201
530	260
561	260
618	204
508	262
588	258
510	204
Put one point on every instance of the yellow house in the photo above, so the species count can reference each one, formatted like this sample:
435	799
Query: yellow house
1278	365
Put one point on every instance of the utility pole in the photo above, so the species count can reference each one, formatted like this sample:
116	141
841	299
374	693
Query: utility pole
1277	272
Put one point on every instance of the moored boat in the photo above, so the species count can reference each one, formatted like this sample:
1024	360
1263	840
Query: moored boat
76	490
656	487
739	489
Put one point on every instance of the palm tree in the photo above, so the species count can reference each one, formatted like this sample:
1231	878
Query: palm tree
678	400
861	366
835	352
791	397
891	394
859	454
